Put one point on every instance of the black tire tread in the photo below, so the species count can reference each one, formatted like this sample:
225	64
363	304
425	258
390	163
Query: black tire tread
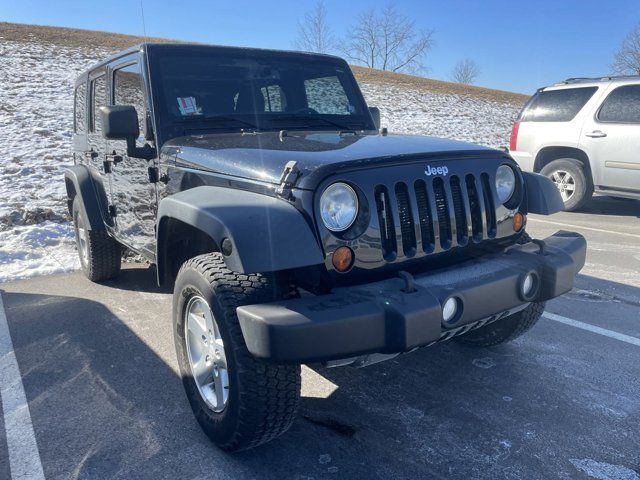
270	394
105	253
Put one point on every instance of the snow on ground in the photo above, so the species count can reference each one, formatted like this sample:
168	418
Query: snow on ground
36	104
36	101
406	110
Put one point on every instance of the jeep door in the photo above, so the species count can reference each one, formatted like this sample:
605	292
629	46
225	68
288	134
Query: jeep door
94	144
611	138
132	194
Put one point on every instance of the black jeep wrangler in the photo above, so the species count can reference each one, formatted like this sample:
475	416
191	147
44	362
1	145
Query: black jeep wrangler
293	229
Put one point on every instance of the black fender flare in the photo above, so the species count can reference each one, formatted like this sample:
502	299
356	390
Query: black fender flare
543	196
79	181
267	234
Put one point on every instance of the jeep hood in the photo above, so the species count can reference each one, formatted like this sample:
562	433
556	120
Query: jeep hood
263	156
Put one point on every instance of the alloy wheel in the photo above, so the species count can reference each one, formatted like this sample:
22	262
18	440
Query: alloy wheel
565	183
205	349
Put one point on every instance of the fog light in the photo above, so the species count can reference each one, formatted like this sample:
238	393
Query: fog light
342	259
450	309
529	286
518	221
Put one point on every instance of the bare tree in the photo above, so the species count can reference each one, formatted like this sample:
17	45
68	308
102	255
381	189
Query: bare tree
627	59
314	32
363	45
388	40
465	71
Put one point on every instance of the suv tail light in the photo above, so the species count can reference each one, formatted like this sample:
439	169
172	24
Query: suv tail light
513	140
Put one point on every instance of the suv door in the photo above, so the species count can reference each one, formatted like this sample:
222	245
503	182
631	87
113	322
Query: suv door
132	194
95	143
611	138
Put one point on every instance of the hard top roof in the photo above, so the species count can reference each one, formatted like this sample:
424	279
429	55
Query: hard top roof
147	46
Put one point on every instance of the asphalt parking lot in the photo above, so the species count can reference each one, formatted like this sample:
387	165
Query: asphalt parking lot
96	365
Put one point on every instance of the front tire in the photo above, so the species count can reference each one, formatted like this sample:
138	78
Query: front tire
573	182
505	329
100	254
261	399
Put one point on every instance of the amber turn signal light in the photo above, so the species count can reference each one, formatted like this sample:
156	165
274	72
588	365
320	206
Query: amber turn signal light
342	259
518	221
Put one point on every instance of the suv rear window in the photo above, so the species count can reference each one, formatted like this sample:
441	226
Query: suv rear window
557	105
622	105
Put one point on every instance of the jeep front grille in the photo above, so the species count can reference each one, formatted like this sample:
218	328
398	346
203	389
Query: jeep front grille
434	215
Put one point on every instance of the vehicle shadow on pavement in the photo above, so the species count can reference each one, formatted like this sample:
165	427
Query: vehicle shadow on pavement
618	207
138	278
106	402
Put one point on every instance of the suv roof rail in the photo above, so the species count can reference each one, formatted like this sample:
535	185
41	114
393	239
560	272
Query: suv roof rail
595	79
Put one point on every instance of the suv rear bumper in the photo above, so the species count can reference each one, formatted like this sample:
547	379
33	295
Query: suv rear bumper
382	317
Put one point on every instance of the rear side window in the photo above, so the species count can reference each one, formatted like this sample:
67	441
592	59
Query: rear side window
622	105
557	105
98	99
274	99
127	90
326	95
80	109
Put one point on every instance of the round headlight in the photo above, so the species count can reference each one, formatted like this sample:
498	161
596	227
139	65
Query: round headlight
338	207
505	183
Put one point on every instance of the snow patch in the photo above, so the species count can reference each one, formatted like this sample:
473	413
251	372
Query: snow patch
604	471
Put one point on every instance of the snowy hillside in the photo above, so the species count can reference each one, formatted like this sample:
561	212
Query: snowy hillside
36	79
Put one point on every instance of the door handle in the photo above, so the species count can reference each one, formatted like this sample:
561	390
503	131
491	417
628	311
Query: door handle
596	134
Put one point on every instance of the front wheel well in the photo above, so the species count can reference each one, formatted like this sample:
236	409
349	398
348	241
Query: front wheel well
178	242
549	154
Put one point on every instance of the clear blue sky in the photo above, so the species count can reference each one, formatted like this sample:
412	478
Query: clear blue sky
520	45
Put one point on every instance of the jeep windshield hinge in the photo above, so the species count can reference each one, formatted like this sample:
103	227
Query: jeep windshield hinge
288	179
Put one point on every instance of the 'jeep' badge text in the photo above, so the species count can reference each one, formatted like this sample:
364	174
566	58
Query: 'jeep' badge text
436	171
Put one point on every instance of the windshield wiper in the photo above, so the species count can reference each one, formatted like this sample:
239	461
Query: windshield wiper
219	119
307	118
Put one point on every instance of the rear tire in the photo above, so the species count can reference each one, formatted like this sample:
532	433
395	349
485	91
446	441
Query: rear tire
573	182
100	254
505	329
261	398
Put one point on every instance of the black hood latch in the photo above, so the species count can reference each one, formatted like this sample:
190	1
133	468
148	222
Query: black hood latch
288	179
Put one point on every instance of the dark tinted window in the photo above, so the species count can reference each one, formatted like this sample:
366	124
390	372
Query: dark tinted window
254	88
98	99
80	109
128	90
622	105
557	105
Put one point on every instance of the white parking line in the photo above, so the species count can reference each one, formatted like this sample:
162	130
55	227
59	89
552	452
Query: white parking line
579	227
24	458
592	328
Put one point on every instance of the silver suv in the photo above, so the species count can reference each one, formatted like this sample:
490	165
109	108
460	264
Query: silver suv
584	134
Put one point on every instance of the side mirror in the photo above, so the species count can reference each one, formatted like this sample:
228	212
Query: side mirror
375	114
120	122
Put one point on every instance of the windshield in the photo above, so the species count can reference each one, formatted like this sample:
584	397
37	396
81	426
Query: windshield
221	89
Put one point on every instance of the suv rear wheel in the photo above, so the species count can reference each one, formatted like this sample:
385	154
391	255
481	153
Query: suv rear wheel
239	401
573	182
100	254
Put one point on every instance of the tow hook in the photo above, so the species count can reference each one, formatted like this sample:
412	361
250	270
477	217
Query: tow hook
409	284
541	245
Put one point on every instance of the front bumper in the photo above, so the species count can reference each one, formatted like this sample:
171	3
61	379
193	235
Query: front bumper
383	317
